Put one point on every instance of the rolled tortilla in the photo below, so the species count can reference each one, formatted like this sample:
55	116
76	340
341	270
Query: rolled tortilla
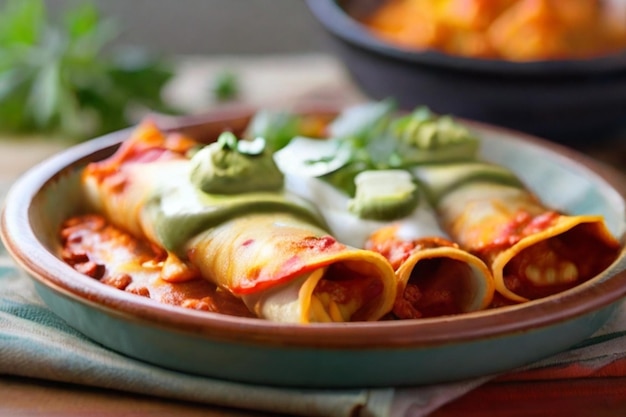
270	248
286	269
435	277
533	251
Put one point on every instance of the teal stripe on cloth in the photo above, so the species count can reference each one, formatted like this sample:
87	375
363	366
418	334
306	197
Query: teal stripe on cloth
37	314
602	338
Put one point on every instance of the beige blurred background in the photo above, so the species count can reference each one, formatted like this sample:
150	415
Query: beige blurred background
212	26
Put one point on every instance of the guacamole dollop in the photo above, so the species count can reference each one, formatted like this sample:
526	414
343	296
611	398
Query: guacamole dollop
424	137
232	166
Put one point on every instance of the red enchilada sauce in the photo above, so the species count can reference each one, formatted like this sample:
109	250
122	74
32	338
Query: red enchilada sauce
436	286
586	259
94	247
552	265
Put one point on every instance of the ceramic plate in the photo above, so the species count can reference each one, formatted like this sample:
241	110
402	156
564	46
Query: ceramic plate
389	353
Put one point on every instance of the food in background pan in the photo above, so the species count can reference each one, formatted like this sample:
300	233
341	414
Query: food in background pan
516	30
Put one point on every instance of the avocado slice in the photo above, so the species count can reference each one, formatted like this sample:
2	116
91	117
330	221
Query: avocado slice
384	195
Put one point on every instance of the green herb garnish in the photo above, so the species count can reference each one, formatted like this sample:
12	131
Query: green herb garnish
229	142
360	132
276	127
225	86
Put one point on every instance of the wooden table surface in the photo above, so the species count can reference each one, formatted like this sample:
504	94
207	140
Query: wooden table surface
314	76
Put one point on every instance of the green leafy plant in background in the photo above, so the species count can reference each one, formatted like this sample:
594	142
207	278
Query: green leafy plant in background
225	86
66	79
